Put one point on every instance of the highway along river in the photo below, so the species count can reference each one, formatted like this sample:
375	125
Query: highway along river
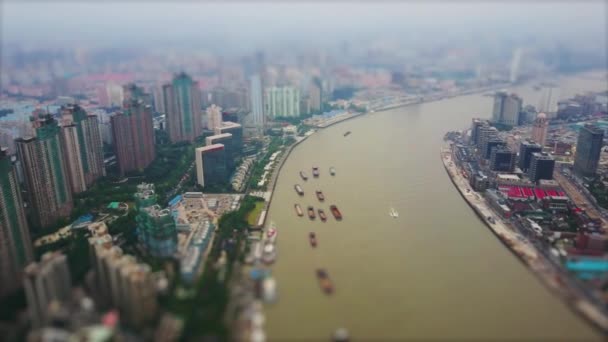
436	271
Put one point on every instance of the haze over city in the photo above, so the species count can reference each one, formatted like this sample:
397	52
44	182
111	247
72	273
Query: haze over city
341	170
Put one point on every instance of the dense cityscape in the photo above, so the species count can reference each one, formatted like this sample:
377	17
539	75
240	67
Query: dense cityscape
139	184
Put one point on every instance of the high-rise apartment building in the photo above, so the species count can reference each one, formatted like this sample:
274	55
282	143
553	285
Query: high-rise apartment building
83	147
45	282
214	117
541	166
525	154
257	103
282	101
507	108
539	129
211	165
120	280
476	124
15	243
316	95
588	150
155	225
182	98
133	133
45	173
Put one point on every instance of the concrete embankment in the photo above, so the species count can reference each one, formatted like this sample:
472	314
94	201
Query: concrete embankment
552	278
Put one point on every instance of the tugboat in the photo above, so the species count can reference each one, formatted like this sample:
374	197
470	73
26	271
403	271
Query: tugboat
322	215
334	210
311	212
320	195
313	239
303	175
324	281
332	171
299	189
315	171
298	209
347	133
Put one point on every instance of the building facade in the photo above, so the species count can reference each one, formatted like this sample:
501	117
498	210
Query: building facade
211	165
83	146
588	150
155	225
539	129
257	103
45	282
121	281
45	173
316	95
133	133
525	154
541	166
507	108
182	101
214	117
226	140
15	243
282	101
502	159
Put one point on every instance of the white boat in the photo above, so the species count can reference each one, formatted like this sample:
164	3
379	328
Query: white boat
270	290
393	213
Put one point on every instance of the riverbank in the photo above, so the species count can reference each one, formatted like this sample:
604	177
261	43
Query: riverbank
553	279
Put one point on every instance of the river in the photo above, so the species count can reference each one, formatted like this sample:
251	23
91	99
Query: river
435	272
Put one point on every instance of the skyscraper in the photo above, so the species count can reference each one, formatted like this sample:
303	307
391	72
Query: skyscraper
226	140
588	149
211	165
539	129
182	101
155	225
282	101
507	108
257	104
476	124
121	281
214	117
525	154
83	146
133	133
316	95
45	282
15	243
46	177
541	166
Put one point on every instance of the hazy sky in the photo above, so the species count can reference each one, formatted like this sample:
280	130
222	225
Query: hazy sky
56	22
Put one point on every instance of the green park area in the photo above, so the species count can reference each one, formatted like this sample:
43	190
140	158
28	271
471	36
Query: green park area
253	216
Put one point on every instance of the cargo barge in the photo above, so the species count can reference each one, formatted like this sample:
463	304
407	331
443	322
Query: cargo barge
320	195
298	210
336	212
315	171
322	215
303	175
311	212
324	281
347	133
299	189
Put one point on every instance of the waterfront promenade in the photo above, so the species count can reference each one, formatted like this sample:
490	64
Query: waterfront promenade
551	275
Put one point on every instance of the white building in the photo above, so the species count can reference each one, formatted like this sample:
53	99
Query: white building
282	101
214	117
